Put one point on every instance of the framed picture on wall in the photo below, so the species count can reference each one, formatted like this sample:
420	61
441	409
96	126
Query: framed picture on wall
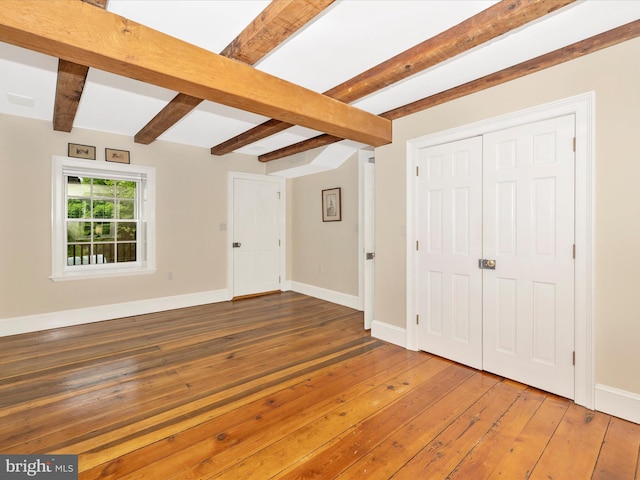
81	151
331	205
118	156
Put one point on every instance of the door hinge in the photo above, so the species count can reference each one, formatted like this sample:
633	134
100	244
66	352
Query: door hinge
574	359
417	319
574	144
574	251
372	160
278	195
417	245
417	171
279	279
279	243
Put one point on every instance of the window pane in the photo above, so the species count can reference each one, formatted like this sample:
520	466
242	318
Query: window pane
78	187
126	209
104	232
78	254
126	231
103	253
125	189
103	187
103	209
78	208
78	232
126	252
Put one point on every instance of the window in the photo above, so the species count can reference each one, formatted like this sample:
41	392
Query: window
103	219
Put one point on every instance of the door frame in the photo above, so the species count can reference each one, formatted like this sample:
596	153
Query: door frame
583	107
366	290
280	181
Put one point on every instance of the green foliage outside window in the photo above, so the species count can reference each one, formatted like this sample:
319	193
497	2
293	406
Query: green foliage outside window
101	212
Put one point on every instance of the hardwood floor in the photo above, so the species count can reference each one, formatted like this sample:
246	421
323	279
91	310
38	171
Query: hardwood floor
286	386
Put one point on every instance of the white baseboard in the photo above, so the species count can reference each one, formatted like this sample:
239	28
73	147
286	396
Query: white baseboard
66	318
332	296
618	403
389	333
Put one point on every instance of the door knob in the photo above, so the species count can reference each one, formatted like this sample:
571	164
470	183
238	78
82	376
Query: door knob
485	264
236	244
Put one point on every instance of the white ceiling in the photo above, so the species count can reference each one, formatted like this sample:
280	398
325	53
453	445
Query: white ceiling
347	39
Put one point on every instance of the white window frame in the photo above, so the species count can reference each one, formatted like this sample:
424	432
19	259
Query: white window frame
146	263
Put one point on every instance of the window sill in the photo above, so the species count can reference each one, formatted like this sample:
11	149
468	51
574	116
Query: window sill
86	275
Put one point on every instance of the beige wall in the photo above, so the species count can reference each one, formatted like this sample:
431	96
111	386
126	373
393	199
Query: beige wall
191	206
614	74
324	254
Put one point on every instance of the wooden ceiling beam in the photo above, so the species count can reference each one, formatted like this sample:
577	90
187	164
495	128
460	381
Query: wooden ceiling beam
80	33
496	20
257	133
303	146
571	52
69	87
487	25
98	3
175	110
277	22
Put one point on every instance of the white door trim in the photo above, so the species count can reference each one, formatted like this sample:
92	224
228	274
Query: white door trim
363	293
280	181
582	107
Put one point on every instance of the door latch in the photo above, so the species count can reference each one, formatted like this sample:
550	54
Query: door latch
236	244
485	264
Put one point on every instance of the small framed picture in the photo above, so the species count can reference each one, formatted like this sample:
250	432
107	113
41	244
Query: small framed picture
331	205
82	151
118	156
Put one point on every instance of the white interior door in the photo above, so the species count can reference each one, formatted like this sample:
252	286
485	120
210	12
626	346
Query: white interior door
529	232
507	196
369	194
255	235
449	282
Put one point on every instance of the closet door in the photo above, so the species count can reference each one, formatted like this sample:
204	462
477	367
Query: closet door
528	229
449	283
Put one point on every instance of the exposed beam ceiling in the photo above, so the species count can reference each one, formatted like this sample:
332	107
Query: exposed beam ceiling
576	50
112	43
277	22
497	20
393	56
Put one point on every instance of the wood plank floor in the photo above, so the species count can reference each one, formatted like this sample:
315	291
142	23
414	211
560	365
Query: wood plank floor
289	387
